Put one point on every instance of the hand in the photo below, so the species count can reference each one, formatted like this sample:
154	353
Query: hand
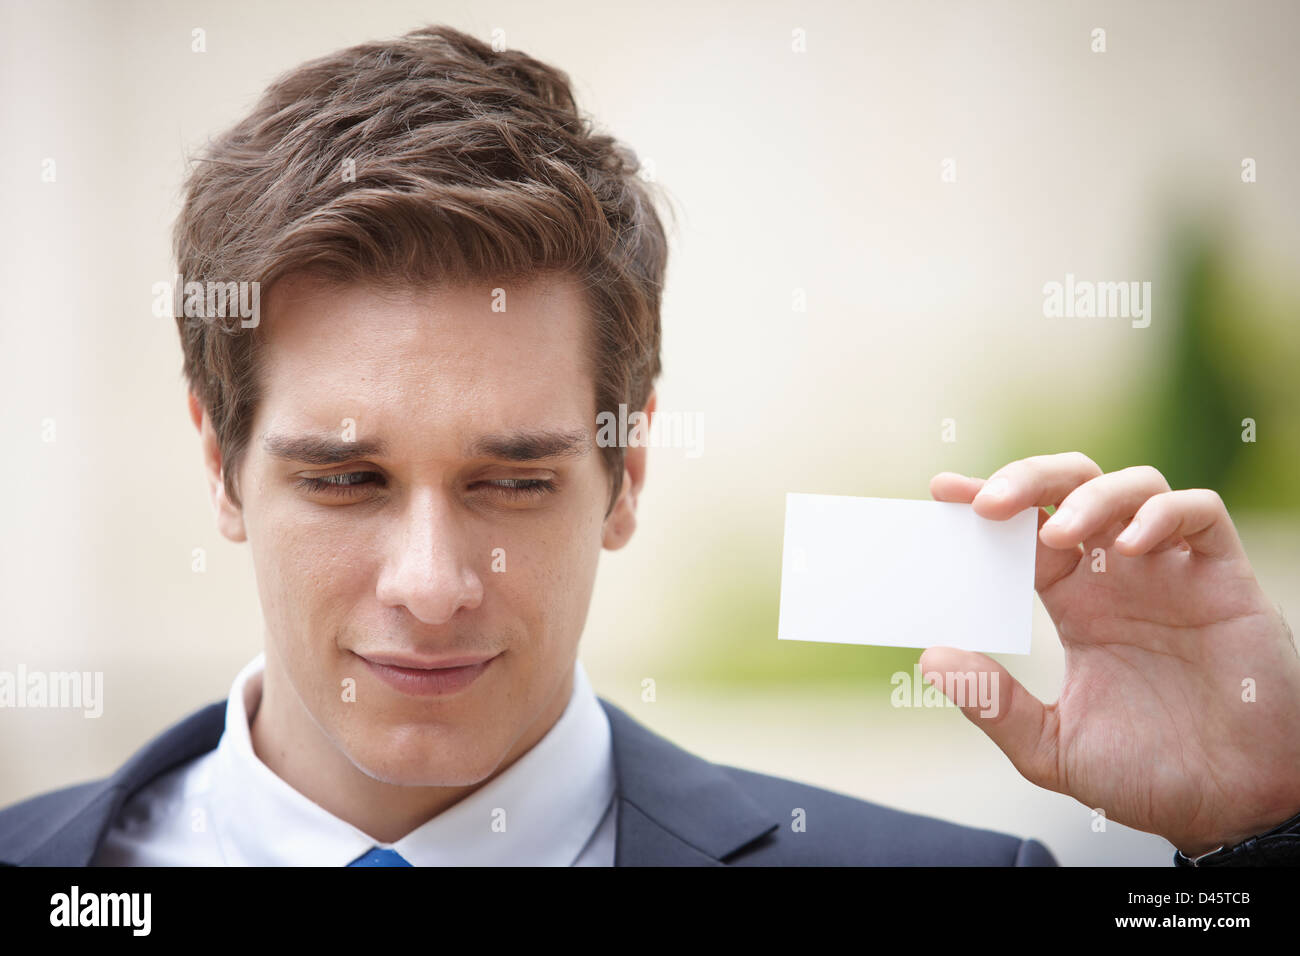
1151	725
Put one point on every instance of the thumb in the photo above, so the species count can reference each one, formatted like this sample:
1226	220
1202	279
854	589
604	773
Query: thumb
997	704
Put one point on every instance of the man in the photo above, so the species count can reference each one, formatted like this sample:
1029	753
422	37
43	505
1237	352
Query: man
459	276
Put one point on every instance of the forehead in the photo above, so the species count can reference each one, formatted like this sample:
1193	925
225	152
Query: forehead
451	360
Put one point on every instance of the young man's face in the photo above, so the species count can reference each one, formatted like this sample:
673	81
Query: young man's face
465	518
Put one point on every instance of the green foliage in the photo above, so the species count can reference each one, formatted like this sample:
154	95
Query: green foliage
1224	345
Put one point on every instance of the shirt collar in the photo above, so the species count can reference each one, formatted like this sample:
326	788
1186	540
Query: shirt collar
540	811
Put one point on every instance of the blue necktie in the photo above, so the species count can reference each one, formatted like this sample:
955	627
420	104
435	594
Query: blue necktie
377	857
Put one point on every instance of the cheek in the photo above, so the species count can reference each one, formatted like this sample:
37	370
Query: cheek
559	566
537	577
309	567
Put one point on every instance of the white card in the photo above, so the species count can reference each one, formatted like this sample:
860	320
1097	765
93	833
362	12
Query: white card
903	573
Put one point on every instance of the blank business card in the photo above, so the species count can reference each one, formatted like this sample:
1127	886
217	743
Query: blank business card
902	573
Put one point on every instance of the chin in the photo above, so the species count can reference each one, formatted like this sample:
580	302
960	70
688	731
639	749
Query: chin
413	760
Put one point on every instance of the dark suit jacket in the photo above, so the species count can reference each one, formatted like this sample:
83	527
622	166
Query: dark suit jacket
674	809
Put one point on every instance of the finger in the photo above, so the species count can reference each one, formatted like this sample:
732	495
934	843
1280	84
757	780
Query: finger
1014	719
950	486
1041	480
1098	508
1049	565
1171	543
1195	515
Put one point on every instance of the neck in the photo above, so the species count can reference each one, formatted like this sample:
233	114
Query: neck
288	740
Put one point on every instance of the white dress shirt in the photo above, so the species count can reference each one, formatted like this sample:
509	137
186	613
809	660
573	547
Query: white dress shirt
227	808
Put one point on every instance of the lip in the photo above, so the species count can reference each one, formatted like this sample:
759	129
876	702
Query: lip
424	678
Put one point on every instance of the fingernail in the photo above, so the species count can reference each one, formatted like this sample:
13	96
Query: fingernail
1062	518
1130	533
997	488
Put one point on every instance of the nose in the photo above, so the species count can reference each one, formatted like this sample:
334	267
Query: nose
428	569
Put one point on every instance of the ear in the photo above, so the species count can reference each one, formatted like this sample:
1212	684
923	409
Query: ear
230	518
622	519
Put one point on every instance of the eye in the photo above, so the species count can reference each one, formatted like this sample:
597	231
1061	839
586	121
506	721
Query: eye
354	483
522	487
348	484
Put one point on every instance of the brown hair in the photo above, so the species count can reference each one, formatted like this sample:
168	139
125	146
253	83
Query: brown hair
468	164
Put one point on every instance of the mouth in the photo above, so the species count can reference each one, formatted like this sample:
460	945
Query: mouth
425	678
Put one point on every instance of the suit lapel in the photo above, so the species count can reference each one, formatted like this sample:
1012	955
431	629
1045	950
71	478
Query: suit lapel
69	831
674	808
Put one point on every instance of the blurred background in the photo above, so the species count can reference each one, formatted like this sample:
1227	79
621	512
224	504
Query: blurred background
869	198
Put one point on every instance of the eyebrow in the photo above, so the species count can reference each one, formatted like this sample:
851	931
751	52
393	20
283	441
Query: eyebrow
320	449
531	445
520	446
